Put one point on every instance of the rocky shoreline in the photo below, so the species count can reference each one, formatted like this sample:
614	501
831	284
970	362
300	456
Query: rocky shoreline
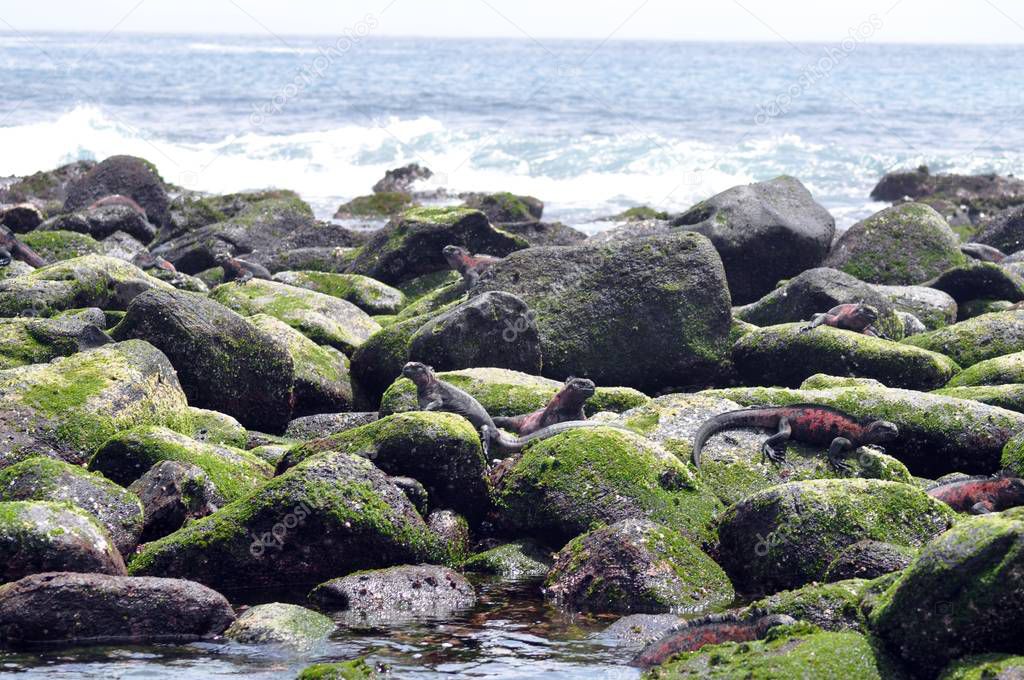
206	433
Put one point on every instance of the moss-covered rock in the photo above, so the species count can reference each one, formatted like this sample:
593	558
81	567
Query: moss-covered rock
1007	369
938	434
25	341
41	536
975	280
346	670
788	652
379	360
819	290
973	308
831	606
384	596
568	484
224	362
14	269
384	204
504	207
46	185
370	295
869	560
440	450
1004	396
281	624
517	560
636	565
88	281
975	340
322	383
131	453
215	427
640	212
325	424
646	313
54	246
961	596
510	393
903	245
985	667
332	515
323	319
933	308
68	408
453	530
410	245
786	536
786	355
44	479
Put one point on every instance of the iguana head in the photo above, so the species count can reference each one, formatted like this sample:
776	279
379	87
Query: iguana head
864	315
417	372
454	255
221	257
880	432
577	390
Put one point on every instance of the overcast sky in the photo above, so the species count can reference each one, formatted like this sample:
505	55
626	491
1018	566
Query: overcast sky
948	21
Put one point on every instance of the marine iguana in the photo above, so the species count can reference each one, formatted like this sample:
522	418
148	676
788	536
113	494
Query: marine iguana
565	406
434	394
117	199
241	271
145	260
470	266
809	423
851	317
980	251
11	248
981	495
708	630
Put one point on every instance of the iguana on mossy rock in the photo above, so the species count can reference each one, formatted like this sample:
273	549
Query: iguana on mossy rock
565	406
469	266
851	317
241	271
981	495
804	423
433	394
714	629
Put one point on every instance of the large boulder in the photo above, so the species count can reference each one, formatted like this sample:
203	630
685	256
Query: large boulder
645	313
933	308
571	483
979	193
513	561
440	450
224	362
831	606
963	595
173	492
30	340
980	281
636	565
1007	369
370	295
324	319
129	176
283	624
46	185
786	536
975	340
330	516
765	232
816	291
505	207
68	408
938	434
322	383
44	479
545	233
88	281
130	454
903	245
411	244
40	536
108	610
54	246
787	355
1004	230
397	592
102	222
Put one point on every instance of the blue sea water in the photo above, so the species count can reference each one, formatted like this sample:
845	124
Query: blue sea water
590	128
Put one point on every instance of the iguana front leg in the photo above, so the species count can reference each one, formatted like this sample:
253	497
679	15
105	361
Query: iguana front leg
434	405
774	448
981	508
817	320
245	278
840	445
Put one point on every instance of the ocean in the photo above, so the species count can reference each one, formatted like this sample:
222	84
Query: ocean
589	128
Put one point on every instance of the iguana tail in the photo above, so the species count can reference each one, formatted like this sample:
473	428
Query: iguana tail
516	444
748	417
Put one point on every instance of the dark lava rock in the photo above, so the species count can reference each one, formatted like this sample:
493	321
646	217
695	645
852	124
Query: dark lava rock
108	610
103	222
646	313
396	592
980	193
1005	230
20	218
401	179
545	233
415	492
636	566
495	329
902	245
325	424
47	185
223	361
411	244
816	291
504	207
39	536
452	529
43	479
173	492
522	559
765	232
332	515
125	175
980	281
868	559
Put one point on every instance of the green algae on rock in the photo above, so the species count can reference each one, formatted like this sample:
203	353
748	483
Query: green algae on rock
517	560
324	319
985	667
788	354
370	295
984	337
215	427
830	606
54	246
345	670
278	623
131	453
786	536
384	204
1002	370
933	308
